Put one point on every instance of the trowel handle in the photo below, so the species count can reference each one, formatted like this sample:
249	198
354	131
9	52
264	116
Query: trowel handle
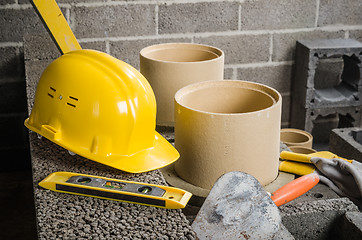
294	189
56	24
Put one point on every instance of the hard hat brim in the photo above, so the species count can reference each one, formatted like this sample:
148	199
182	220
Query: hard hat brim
159	156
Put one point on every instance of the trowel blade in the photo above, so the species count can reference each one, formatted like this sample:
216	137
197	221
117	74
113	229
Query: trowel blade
237	207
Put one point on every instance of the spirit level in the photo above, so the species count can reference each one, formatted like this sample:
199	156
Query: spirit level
118	190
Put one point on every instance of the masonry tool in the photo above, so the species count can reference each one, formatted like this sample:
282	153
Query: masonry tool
95	105
118	190
237	207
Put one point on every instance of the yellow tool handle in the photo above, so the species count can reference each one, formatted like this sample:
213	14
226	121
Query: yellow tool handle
58	27
296	167
299	157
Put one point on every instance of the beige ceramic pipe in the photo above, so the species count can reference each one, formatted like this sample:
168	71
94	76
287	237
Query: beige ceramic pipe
171	66
223	126
296	137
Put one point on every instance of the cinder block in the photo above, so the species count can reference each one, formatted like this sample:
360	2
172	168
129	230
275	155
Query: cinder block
352	226
3	2
198	17
284	43
285	108
97	45
333	12
114	20
325	119
128	51
277	77
316	219
240	48
310	52
15	22
229	73
347	143
322	88
283	14
356	34
40	46
9	61
34	69
12	97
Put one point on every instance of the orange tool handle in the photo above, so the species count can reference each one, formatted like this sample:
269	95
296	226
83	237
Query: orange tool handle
294	189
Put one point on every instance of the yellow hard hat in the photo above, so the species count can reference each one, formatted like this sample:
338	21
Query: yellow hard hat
100	108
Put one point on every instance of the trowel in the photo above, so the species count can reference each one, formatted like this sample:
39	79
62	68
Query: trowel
238	207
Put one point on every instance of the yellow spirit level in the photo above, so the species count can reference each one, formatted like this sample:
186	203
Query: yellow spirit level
118	190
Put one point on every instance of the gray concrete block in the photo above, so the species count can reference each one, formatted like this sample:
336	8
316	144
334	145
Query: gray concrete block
228	73
284	43
240	48
347	143
316	219
9	62
114	20
333	12
15	22
325	118
352	226
33	70
3	2
129	50
277	77
356	34
40	46
285	108
310	52
312	99
97	45
198	17
283	14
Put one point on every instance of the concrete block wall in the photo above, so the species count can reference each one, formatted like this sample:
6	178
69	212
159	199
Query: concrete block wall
327	86
257	36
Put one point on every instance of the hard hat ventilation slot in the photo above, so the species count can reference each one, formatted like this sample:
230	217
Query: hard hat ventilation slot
54	90
74	98
72	105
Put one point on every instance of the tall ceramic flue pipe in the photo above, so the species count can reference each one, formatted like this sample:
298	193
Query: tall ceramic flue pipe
223	126
171	66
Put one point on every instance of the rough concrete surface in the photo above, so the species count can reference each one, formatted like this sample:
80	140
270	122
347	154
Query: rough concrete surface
68	216
346	143
352	225
316	219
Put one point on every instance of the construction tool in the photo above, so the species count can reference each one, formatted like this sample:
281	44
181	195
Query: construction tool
95	105
294	189
118	190
237	207
54	21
